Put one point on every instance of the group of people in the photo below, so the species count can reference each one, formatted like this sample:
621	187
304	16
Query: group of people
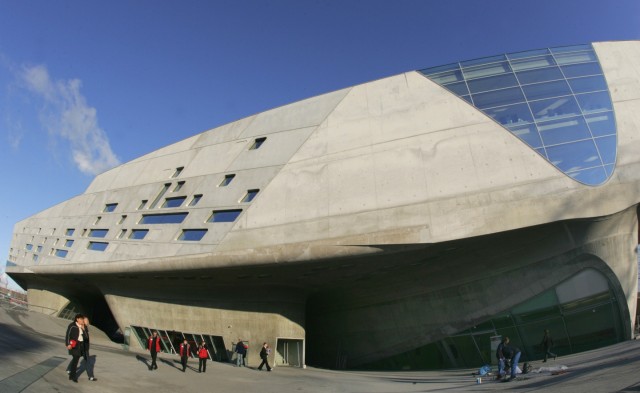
77	343
241	355
154	346
509	355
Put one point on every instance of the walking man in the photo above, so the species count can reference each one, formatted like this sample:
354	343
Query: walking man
184	354
153	345
264	355
547	344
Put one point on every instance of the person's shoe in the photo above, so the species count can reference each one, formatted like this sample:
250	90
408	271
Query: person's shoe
150	368
93	379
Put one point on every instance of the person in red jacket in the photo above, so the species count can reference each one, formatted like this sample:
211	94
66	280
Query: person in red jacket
153	345
203	355
184	354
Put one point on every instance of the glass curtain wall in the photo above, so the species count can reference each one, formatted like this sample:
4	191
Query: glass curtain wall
581	313
171	340
555	100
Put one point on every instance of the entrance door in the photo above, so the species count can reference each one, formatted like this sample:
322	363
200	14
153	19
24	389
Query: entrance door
289	352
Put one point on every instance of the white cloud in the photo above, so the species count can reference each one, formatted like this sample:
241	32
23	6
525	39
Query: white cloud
68	116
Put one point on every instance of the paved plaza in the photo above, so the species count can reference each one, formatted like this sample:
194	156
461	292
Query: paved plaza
34	359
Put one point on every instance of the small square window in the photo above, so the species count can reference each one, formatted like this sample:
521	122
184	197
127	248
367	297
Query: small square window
257	143
29	247
109	207
68	243
39	249
69	232
61	253
225	215
35	257
178	186
195	200
177	172
143	203
227	179
122	218
248	197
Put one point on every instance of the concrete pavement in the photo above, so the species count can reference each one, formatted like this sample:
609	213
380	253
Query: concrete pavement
34	360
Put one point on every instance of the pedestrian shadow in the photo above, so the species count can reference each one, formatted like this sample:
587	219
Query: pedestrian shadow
143	360
172	363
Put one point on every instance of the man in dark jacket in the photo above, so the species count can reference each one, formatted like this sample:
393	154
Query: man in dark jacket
153	345
547	344
74	340
264	355
500	357
185	349
513	353
240	351
88	360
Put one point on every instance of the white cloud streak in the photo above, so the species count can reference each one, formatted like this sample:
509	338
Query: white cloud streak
68	116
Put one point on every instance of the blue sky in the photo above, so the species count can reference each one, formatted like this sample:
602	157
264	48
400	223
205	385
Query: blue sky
86	85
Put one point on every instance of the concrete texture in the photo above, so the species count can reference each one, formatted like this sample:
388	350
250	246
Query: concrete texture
34	361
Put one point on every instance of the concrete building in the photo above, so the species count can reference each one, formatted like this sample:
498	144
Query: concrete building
396	224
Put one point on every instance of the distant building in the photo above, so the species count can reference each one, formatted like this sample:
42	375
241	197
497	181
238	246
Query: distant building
397	224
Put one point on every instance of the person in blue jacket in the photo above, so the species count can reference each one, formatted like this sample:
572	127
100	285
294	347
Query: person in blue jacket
241	351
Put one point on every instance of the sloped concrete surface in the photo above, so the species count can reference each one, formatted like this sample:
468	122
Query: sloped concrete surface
34	360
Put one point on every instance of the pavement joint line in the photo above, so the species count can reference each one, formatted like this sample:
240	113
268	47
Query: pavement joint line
18	382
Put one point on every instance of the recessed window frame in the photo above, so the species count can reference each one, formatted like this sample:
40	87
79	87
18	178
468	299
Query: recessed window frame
138	234
194	201
97	246
163	218
192	235
250	195
224	215
69	231
177	172
257	143
99	233
172	200
61	253
68	243
227	180
109	207
142	204
122	219
178	186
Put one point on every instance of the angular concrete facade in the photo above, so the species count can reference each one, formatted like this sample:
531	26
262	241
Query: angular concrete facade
383	216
